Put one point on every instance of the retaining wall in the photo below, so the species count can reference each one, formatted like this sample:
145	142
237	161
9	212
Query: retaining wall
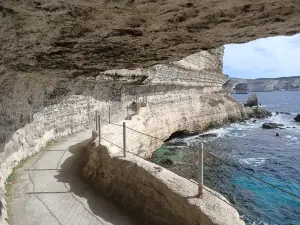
158	195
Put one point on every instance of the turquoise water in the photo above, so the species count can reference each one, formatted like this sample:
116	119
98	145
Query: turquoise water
258	152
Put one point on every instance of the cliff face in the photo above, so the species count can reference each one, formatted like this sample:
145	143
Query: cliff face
268	84
71	38
203	68
24	95
181	95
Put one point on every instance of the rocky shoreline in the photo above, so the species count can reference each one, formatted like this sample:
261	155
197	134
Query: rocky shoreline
164	155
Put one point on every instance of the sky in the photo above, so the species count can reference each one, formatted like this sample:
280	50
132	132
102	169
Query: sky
265	57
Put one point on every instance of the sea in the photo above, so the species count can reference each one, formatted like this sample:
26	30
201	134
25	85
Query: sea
242	160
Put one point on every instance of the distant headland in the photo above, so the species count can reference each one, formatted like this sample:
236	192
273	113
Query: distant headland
240	85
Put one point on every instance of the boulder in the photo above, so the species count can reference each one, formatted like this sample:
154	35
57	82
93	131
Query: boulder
297	118
261	113
271	125
252	100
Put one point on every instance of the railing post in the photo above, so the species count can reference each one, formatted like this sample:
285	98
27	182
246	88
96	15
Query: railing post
88	111
72	119
96	119
127	107
200	171
99	128
109	114
124	139
138	106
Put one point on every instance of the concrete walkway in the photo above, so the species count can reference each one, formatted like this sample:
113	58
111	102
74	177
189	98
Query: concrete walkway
48	190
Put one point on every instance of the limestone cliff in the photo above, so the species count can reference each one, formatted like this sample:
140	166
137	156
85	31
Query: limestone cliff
203	68
186	94
268	84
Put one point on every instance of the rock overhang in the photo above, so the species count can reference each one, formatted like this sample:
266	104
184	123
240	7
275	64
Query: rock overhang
70	38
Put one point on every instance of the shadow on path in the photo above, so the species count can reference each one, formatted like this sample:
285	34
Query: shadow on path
97	205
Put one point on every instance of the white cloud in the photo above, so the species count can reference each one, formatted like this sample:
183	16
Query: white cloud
266	57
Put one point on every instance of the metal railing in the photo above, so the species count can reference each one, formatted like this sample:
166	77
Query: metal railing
130	140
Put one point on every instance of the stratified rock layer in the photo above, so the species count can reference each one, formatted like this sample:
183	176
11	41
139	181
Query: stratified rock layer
71	38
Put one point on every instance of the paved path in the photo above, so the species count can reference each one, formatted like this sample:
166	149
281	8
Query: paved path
48	190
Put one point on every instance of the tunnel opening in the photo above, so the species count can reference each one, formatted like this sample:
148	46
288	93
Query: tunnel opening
262	65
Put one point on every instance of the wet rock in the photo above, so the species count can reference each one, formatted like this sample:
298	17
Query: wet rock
181	134
208	135
297	118
261	113
277	134
167	162
285	113
271	125
254	121
252	100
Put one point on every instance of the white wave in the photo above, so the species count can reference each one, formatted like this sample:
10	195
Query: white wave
260	223
253	161
263	106
291	140
241	130
286	120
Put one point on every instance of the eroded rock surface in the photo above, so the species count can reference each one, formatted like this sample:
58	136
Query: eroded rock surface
297	118
272	125
71	38
252	100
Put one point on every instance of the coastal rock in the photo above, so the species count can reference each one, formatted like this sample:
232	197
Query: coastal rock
284	113
297	118
181	134
272	125
261	113
252	100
